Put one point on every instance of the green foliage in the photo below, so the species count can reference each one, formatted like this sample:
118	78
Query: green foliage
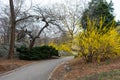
118	23
96	10
36	53
97	45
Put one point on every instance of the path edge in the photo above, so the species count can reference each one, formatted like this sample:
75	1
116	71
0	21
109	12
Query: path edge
49	78
8	72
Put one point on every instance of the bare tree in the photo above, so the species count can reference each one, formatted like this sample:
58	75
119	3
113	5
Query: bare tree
5	23
44	18
13	24
15	19
21	16
72	11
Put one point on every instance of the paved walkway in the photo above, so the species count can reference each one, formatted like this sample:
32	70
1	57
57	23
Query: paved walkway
38	71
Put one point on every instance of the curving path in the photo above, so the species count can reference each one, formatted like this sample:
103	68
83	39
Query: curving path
38	71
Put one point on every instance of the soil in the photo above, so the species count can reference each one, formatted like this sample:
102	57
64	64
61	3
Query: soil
8	65
78	69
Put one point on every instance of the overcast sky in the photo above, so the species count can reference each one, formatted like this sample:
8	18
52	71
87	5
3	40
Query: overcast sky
47	2
115	2
117	8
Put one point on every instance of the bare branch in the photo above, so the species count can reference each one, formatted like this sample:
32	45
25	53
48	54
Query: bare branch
21	19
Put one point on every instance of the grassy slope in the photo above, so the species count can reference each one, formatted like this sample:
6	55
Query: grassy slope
111	75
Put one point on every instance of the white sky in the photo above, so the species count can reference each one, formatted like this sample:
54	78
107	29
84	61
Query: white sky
47	2
116	4
117	8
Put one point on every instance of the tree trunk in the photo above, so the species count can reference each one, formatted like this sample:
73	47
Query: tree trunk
12	36
32	43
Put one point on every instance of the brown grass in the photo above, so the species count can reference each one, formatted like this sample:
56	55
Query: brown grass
7	65
80	69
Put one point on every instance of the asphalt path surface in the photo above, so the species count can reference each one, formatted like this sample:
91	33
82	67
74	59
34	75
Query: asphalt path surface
36	71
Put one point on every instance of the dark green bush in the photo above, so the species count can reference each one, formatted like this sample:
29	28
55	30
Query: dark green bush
24	53
37	53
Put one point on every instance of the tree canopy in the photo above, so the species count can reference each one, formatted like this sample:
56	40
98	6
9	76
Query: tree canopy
97	10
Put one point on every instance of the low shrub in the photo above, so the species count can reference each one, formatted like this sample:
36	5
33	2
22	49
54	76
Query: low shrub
37	53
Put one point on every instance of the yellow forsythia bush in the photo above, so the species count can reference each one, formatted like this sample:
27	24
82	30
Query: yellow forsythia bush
61	47
97	44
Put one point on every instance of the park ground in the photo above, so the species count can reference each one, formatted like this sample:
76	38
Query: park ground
79	70
11	64
8	65
40	70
